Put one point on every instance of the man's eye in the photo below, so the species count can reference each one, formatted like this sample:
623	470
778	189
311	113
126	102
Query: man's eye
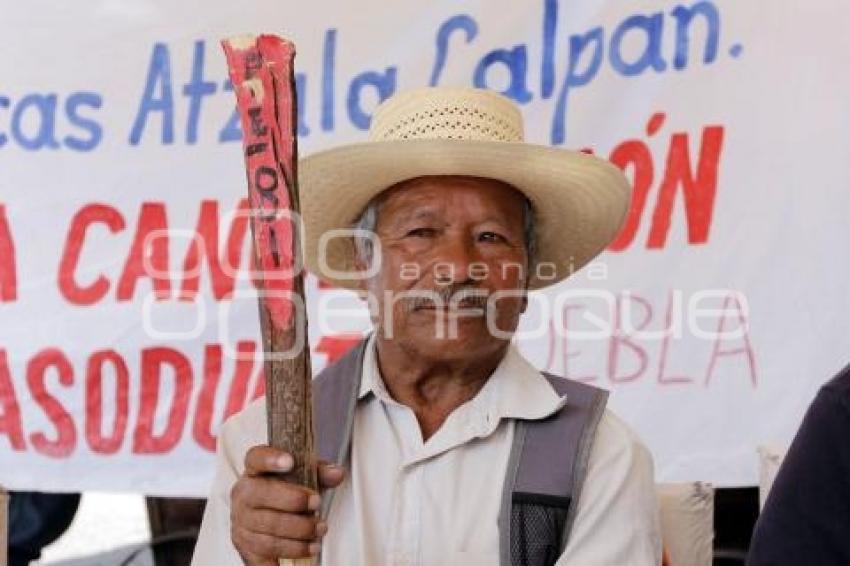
490	237
422	232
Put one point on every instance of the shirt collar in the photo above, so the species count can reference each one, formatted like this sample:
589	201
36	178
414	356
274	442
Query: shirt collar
515	390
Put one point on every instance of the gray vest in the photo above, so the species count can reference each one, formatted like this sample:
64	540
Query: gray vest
546	468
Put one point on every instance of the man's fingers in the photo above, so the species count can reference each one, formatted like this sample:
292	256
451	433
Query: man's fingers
274	494
284	525
254	560
261	460
330	475
268	546
272	518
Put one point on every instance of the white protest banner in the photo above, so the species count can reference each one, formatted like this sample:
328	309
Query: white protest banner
125	292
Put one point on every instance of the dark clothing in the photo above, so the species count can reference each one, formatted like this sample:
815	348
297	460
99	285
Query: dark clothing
806	518
36	520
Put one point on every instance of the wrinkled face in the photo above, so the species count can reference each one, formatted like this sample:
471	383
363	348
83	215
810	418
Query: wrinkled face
453	266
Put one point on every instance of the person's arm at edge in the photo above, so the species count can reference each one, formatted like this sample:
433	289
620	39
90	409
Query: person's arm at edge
807	512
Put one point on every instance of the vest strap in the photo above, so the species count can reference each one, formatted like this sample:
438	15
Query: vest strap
335	392
546	472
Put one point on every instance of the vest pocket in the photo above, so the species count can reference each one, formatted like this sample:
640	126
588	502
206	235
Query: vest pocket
537	525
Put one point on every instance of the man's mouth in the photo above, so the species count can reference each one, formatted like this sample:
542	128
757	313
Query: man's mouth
447	307
466	310
465	302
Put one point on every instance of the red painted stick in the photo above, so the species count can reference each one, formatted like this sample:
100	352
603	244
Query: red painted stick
261	70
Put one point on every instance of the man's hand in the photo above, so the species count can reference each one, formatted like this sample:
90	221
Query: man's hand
272	519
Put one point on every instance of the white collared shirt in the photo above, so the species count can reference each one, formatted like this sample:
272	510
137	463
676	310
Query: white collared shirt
406	502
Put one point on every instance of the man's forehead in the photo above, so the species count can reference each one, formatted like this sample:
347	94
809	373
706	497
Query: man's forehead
424	195
446	182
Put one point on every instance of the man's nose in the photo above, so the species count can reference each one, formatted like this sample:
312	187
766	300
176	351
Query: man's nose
454	260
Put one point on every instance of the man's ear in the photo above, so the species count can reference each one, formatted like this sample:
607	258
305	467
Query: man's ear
527	282
364	292
362	289
360	266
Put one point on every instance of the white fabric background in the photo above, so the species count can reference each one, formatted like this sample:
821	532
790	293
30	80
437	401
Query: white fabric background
778	236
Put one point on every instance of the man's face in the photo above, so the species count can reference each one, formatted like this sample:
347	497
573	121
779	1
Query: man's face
447	245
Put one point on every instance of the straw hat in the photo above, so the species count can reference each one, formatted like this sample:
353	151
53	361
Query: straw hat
579	200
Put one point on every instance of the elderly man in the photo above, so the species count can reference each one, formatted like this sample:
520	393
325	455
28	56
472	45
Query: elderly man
450	448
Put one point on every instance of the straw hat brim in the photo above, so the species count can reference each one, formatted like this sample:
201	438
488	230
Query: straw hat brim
580	201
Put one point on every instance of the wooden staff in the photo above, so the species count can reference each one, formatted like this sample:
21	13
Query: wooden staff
261	70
